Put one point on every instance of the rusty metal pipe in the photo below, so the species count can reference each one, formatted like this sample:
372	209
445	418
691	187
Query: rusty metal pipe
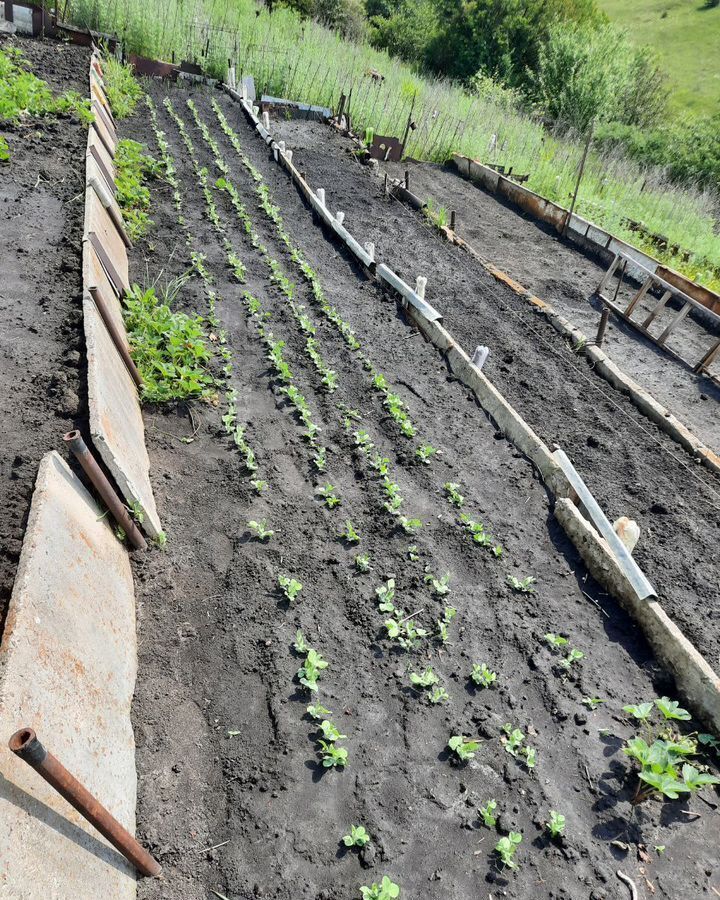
115	334
24	743
105	489
604	316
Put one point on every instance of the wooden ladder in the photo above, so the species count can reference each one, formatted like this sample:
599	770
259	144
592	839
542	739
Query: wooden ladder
618	268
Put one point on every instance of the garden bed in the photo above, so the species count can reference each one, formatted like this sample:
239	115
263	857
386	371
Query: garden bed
42	363
232	793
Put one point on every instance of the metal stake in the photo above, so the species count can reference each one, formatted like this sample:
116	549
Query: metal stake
105	489
566	223
24	743
604	316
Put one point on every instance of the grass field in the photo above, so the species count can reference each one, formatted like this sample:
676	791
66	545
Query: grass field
687	37
299	59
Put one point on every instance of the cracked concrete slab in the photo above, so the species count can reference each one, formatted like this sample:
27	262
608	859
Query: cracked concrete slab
67	669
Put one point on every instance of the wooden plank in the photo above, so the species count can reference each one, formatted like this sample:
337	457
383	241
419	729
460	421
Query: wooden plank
709	357
108	243
658	309
678	318
609	274
638	297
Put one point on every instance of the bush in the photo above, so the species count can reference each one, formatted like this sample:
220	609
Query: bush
587	73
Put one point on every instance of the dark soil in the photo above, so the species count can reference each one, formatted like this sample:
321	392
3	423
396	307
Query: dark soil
252	814
630	465
42	357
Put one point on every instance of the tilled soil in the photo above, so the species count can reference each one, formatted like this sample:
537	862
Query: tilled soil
231	794
632	468
42	349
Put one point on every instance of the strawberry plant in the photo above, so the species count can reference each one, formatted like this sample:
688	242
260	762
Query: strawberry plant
482	676
424	679
350	535
506	847
332	756
132	169
309	672
424	453
386	890
488	813
463	749
358	837
329	496
452	492
362	563
260	530
522	585
290	587
556	824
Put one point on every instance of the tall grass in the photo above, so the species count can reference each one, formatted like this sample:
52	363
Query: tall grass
302	60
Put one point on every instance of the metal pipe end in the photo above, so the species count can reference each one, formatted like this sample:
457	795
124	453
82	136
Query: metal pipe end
70	436
25	744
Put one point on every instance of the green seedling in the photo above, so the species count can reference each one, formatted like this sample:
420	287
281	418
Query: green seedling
556	824
425	453
386	596
362	563
413	554
425	679
300	644
409	526
403	630
290	587
477	531
556	641
350	535
462	748
444	623
641	712
438	695
671	709
320	459
440	586
488	813
332	756
482	676
161	540
329	496
259	485
260	530
573	656
497	551
506	847
381	464
309	672
386	890
330	731
358	837
522	585
362	440
592	703
513	743
318	712
452	492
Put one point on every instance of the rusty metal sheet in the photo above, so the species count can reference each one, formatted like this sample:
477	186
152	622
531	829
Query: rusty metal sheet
67	669
95	278
703	295
116	423
153	67
99	223
386	148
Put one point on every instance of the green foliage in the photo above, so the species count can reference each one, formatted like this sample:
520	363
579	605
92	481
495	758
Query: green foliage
556	824
169	348
318	712
132	170
556	641
349	534
358	837
452	491
506	848
592	703
329	496
290	587
309	673
362	562
333	756
464	749
488	813
24	95
522	585
121	88
482	676
425	679
386	890
513	741
260	530
424	453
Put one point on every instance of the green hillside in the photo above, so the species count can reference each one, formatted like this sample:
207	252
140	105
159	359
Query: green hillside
686	34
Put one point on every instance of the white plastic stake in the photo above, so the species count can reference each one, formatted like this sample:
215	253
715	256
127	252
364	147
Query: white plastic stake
288	155
320	192
244	91
231	78
266	120
420	285
339	217
256	110
370	248
281	145
480	355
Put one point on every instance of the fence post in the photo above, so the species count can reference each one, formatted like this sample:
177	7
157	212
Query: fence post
566	223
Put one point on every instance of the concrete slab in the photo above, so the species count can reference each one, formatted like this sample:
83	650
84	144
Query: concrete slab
67	669
116	423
